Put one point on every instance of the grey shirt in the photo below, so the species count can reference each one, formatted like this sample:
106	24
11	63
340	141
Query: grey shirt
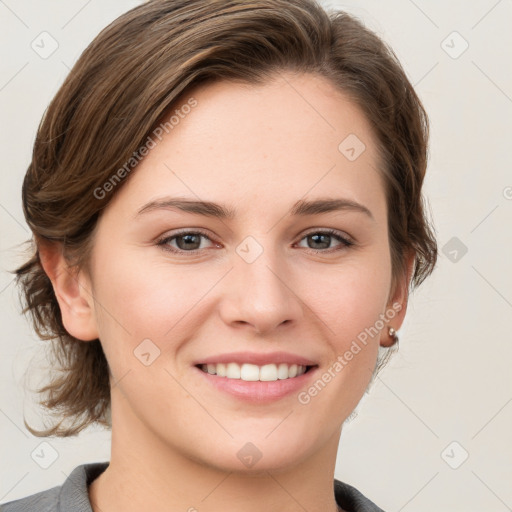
73	496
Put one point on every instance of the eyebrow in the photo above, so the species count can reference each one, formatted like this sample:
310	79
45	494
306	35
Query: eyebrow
211	209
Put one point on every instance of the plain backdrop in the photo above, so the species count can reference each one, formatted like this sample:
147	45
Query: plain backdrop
434	432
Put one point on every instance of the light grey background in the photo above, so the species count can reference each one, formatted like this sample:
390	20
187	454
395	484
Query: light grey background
451	381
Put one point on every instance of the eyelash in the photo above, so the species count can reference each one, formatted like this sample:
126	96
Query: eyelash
345	242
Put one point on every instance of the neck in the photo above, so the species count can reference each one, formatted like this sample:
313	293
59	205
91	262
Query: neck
146	473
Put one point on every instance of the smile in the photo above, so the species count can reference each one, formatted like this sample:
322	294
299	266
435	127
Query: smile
253	372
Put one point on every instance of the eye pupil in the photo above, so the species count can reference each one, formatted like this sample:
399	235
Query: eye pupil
189	239
316	238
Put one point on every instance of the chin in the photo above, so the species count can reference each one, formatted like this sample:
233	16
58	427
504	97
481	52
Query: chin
251	456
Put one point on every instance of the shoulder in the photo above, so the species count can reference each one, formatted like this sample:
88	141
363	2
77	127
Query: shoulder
352	500
71	495
44	501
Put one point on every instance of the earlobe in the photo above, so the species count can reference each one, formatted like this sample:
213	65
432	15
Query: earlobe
398	303
73	292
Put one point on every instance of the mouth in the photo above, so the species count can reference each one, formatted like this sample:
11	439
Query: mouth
256	378
251	372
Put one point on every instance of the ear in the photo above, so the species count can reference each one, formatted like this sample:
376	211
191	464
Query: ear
73	291
398	299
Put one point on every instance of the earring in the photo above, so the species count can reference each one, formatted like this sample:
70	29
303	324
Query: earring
394	335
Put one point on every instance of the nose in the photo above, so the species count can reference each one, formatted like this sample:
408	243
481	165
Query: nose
260	295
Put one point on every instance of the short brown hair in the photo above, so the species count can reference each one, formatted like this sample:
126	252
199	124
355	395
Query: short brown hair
127	80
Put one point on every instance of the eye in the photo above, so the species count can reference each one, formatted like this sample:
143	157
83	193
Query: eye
190	241
186	241
321	240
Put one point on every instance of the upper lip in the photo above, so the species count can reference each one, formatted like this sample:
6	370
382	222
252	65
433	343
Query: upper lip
257	358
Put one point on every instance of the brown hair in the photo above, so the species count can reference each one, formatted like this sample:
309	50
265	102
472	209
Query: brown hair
127	80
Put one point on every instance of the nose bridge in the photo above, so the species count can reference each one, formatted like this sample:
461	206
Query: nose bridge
261	295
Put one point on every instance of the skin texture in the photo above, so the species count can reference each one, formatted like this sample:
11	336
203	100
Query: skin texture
256	149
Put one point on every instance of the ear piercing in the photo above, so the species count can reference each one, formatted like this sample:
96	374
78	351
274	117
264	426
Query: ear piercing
394	335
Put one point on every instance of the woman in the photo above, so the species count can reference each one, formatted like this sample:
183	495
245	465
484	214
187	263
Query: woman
228	219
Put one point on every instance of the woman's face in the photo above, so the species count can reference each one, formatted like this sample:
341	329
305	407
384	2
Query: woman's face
181	285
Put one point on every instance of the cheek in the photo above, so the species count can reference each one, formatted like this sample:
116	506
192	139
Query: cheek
146	297
139	298
350	297
349	301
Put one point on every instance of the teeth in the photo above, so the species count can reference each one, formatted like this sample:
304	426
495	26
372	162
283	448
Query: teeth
232	371
221	370
252	372
249	372
268	372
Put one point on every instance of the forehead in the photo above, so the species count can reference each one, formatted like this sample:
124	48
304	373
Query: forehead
291	137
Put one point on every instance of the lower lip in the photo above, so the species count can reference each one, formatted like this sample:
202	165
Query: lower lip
259	391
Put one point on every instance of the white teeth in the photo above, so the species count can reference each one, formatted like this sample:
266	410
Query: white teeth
221	370
268	372
232	371
252	372
282	371
249	372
